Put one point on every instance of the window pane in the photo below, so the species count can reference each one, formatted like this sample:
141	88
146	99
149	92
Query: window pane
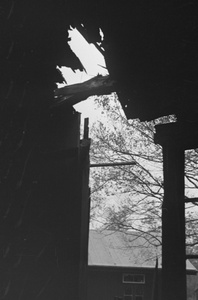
138	278
128	278
138	290
128	297
133	278
128	291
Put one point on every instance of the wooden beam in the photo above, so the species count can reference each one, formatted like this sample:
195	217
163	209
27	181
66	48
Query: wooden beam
191	200
184	134
191	256
74	93
130	163
86	129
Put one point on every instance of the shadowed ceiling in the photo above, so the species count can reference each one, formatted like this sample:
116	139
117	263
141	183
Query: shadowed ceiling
150	51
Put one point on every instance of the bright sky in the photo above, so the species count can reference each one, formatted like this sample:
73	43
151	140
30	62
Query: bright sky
94	63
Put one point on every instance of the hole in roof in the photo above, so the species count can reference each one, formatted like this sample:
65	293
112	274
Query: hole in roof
93	63
90	57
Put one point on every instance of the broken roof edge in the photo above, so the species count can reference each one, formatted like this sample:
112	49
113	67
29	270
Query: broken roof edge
75	93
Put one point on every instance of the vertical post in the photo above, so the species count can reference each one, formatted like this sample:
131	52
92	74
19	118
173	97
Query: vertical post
86	128
85	210
174	138
173	224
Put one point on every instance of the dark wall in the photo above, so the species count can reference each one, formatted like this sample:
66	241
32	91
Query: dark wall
106	283
43	181
41	215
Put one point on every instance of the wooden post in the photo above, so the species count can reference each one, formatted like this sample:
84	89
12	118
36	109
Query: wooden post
175	138
173	228
174	141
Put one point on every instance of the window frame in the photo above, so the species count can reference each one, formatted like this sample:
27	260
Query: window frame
134	282
142	296
125	296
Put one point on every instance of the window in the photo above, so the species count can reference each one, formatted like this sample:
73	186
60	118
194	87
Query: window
133	278
128	297
139	292
134	290
128	293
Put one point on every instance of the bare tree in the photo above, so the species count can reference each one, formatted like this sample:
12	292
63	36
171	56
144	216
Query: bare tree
130	197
